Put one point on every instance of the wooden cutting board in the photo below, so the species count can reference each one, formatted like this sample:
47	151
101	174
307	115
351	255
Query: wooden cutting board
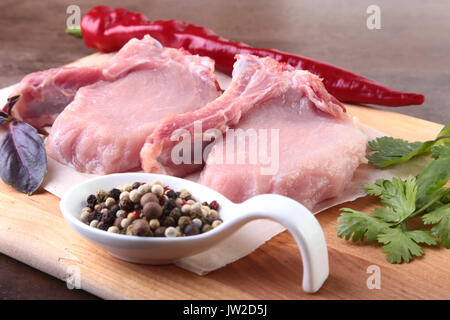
33	231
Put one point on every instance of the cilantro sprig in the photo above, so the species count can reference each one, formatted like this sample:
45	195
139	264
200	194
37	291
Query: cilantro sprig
390	151
425	196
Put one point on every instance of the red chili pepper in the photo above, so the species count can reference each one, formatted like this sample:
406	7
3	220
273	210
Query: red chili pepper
108	30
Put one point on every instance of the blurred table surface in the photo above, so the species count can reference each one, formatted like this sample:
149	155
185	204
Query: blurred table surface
411	52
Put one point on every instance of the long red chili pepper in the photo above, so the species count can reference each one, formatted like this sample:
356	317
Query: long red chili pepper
108	30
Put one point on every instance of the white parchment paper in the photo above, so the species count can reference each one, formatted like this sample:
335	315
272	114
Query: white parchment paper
60	178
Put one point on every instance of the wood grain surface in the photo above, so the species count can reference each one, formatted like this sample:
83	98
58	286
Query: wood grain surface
33	231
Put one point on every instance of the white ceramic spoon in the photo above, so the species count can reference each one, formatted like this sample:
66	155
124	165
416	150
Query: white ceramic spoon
300	222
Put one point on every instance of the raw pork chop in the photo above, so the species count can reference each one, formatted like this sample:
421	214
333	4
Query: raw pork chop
319	146
105	126
46	93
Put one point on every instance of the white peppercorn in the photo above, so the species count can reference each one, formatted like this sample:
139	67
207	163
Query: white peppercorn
216	223
145	188
86	216
125	223
191	202
135	196
93	223
121	213
186	209
124	195
213	214
113	229
127	187
196	209
154	224
171	232
157	189
206	208
197	222
109	202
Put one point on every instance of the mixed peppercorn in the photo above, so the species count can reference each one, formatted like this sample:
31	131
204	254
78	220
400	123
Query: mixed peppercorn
149	210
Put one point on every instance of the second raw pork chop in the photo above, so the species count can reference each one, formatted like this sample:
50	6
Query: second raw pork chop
311	156
104	128
319	146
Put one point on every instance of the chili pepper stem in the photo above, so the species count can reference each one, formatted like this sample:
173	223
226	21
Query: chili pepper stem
75	31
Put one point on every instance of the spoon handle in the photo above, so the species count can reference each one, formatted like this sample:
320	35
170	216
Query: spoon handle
303	226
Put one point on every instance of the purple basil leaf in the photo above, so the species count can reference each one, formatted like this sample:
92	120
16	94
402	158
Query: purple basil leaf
3	117
23	161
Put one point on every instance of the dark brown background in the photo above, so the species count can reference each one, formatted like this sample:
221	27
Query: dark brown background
411	52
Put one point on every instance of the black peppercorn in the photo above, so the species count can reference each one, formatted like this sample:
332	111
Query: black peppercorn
102	226
91	201
191	230
126	204
97	216
114	208
169	205
108	218
168	222
211	219
136	185
160	232
171	194
118	221
115	194
175	214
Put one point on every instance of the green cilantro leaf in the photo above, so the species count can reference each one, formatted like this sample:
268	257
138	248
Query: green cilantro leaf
401	245
441	218
375	189
441	150
390	151
431	179
399	198
359	226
